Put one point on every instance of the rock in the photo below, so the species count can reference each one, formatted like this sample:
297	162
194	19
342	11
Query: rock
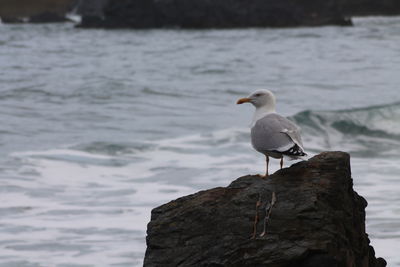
90	21
370	7
14	20
317	220
45	17
91	8
48	17
218	14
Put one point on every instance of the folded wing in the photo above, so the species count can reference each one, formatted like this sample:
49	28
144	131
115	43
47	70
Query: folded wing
274	133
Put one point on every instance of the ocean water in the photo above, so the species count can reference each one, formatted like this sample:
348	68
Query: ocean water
98	127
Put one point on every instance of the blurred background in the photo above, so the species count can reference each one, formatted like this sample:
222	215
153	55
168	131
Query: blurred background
100	125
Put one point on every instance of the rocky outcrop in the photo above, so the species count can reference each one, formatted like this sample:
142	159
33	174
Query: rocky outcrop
217	14
196	13
317	220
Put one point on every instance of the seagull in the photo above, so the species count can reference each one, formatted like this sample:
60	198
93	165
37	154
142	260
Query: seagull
272	134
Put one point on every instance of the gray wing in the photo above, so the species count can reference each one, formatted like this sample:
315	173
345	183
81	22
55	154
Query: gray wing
275	133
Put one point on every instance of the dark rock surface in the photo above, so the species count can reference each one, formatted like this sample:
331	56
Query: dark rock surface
91	8
48	17
13	20
370	7
45	17
217	14
318	220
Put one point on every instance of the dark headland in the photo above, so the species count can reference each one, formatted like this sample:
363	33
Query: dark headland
203	14
198	14
317	220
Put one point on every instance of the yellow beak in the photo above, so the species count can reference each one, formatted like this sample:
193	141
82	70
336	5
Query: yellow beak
243	100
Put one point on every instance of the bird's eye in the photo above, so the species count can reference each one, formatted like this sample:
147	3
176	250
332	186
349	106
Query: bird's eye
257	95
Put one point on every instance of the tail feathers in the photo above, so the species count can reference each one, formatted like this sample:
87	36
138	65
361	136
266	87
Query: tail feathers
294	151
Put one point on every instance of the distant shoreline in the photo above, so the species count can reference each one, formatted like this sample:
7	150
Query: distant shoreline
197	14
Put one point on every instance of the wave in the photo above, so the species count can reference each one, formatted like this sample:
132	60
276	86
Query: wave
366	132
369	131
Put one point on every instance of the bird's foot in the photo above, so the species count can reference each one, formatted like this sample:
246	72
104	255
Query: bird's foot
262	176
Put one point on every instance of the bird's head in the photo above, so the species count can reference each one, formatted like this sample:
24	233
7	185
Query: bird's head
260	98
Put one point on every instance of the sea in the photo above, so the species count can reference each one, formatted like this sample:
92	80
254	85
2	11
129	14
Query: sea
98	127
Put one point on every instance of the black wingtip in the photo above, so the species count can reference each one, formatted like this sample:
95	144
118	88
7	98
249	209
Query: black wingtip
295	151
